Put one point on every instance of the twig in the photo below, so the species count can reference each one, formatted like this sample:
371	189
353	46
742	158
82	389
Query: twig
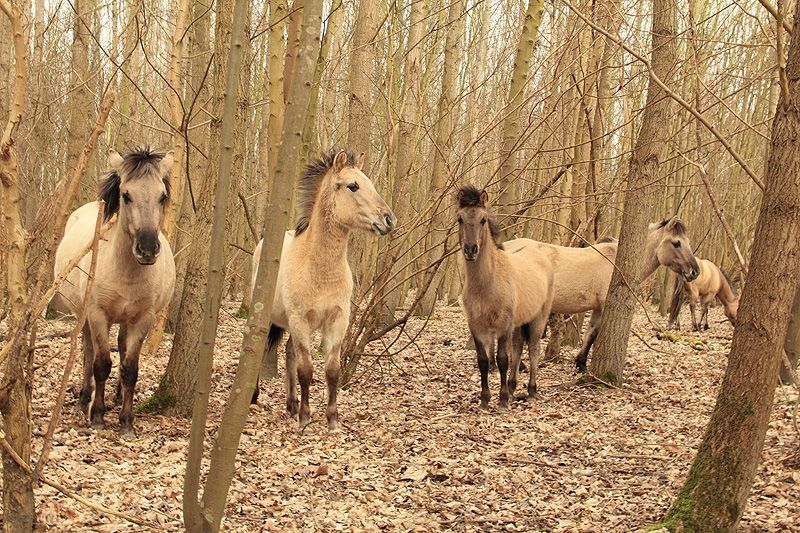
249	219
73	344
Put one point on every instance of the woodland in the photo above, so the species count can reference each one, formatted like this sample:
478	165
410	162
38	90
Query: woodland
580	123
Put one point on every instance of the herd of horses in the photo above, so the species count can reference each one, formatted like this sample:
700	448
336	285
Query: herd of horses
510	289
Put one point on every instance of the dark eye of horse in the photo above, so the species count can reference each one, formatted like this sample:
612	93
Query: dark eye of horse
676	244
126	197
163	198
460	220
483	221
353	187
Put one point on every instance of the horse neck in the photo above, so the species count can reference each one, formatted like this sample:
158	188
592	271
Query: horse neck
482	271
650	263
327	237
120	245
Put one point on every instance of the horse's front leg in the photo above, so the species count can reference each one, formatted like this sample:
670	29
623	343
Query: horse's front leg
537	329
121	346
87	388
101	367
503	343
589	337
292	404
300	332
332	337
129	371
694	299
481	345
516	354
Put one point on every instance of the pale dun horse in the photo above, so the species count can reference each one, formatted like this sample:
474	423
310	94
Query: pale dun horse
582	275
134	276
315	283
710	284
504	293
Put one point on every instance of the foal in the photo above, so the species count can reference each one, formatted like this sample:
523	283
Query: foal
503	291
134	276
582	275
315	283
711	283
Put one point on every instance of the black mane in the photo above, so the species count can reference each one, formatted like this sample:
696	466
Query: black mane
309	183
678	228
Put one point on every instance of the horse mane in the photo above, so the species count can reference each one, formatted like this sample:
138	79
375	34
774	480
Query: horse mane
678	297
470	196
677	229
136	163
607	238
730	283
309	184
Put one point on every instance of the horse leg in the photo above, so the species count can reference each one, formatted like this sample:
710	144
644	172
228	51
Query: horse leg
88	373
129	373
121	346
483	365
503	343
292	404
100	369
333	335
589	337
301	342
694	299
535	338
516	355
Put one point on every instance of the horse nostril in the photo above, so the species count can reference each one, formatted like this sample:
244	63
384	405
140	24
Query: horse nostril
139	248
388	219
157	249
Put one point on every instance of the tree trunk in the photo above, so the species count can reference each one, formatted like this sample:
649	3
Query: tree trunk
715	493
644	175
223	453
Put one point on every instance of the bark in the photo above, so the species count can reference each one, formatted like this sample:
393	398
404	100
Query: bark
18	502
175	392
715	493
512	128
792	342
643	183
359	113
442	148
223	454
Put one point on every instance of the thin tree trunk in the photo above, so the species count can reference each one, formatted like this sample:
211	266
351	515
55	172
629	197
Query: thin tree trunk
644	175
223	453
718	486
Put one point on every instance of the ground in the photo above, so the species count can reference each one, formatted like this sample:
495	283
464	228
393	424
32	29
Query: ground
416	453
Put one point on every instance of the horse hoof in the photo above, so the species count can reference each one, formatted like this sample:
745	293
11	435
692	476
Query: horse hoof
484	405
98	425
503	406
334	428
127	434
581	369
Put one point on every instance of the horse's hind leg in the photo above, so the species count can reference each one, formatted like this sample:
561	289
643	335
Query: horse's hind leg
589	337
292	404
503	343
121	345
534	339
520	337
481	345
87	388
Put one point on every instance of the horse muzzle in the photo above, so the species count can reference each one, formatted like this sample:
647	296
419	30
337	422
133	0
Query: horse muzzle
690	274
385	225
470	252
146	248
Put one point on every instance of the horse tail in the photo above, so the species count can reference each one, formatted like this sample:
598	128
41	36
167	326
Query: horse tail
525	331
677	299
273	338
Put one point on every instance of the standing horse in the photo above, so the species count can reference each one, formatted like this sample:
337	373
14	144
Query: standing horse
503	292
582	275
711	283
315	283
134	276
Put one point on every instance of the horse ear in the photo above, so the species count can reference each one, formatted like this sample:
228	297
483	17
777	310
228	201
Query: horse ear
114	159
674	221
340	161
484	198
166	162
360	160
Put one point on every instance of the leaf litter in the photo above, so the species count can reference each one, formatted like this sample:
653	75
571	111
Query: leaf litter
416	452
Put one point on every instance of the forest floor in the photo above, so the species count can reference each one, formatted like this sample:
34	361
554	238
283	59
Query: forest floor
416	452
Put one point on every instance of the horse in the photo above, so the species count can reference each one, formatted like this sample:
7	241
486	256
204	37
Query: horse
582	275
315	282
507	294
134	275
712	283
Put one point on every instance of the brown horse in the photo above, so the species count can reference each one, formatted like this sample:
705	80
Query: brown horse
134	276
503	292
315	283
711	283
582	275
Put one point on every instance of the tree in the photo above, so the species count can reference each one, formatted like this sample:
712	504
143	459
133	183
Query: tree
644	173
716	490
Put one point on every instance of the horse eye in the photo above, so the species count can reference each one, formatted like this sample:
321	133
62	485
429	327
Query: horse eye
163	198
460	220
676	244
483	221
353	187
126	197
